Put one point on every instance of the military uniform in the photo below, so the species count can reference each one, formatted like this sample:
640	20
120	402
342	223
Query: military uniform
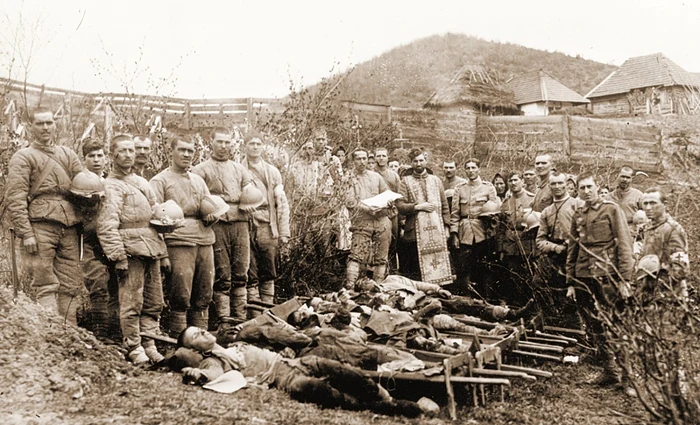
630	201
190	250
543	196
126	235
38	180
669	242
552	235
371	233
471	230
602	230
270	221
516	247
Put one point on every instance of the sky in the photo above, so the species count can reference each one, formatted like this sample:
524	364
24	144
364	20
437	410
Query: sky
255	48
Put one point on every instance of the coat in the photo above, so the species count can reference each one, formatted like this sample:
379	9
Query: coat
123	221
602	230
48	202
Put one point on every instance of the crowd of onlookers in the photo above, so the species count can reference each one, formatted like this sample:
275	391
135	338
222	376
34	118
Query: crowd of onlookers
212	231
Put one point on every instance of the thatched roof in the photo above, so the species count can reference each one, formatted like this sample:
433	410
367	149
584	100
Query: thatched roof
473	85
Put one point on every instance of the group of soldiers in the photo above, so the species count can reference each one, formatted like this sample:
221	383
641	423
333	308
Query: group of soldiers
212	229
551	238
215	229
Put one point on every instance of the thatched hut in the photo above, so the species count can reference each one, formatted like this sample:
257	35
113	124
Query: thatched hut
475	90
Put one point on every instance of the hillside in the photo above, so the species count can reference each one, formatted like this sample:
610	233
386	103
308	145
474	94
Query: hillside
408	75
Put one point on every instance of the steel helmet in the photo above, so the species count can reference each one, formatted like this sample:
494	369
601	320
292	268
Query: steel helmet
532	220
251	198
87	184
168	213
639	217
649	265
213	205
489	208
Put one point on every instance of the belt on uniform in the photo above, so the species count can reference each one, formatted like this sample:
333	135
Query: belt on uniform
50	197
469	217
139	225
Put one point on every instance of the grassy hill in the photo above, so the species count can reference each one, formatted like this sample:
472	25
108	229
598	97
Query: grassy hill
408	75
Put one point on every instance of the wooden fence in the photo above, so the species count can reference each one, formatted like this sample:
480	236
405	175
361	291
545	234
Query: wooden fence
569	139
181	113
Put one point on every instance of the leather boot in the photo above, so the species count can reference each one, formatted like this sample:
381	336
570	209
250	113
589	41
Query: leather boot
100	326
239	296
222	305
379	273
177	323
49	302
267	291
253	293
351	274
199	318
68	308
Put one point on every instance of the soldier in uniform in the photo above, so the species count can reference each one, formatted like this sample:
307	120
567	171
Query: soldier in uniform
270	221
227	179
599	266
144	148
552	244
530	180
371	227
515	243
136	249
451	180
190	248
628	198
38	182
470	230
543	195
665	239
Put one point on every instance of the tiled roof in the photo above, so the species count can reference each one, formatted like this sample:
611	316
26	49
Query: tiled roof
643	71
538	86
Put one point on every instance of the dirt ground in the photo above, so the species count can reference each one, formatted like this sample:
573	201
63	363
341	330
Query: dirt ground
51	373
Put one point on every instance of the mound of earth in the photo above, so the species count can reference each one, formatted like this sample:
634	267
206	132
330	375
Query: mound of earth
44	361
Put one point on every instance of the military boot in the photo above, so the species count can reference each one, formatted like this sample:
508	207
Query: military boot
199	318
222	305
177	323
379	273
253	293
267	291
239	296
49	302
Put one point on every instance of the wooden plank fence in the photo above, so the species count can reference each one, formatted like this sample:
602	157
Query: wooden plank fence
569	139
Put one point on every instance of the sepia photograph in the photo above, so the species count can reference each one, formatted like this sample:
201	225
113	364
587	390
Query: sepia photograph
306	212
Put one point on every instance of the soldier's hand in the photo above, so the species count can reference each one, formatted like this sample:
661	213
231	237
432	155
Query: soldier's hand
165	265
284	240
444	293
30	245
560	249
122	268
192	376
625	289
571	293
454	240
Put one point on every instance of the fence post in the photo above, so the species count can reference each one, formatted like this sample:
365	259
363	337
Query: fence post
249	115
187	115
566	132
107	105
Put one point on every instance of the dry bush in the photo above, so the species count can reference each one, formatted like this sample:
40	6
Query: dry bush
312	263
